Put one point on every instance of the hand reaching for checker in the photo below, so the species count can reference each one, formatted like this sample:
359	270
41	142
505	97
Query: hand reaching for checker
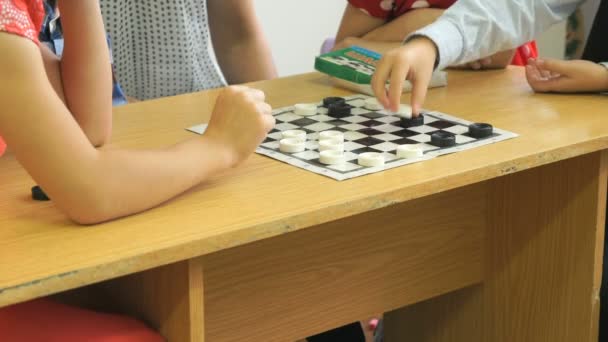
413	61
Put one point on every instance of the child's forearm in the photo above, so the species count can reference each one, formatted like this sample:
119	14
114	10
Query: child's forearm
119	181
85	68
404	25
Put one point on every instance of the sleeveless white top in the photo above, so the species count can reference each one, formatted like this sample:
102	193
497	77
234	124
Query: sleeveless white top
161	48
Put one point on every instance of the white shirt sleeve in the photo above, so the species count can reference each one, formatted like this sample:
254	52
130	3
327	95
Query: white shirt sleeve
472	29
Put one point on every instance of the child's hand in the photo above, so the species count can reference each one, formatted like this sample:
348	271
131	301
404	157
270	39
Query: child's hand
552	75
413	61
239	123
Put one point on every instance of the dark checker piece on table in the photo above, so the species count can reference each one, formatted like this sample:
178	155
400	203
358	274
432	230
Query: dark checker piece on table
333	100
339	110
413	122
480	130
38	194
443	139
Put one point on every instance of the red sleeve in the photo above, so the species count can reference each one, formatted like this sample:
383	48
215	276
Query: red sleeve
375	8
22	17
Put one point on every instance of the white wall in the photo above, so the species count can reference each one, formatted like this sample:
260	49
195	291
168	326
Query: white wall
297	28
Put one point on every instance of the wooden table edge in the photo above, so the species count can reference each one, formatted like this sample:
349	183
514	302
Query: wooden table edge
81	277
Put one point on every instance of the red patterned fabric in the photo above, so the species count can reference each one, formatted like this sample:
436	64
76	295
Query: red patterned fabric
390	9
22	17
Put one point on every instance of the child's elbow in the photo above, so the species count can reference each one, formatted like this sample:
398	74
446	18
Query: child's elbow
91	208
100	138
99	135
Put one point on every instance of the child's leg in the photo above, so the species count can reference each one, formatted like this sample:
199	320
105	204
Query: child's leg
49	321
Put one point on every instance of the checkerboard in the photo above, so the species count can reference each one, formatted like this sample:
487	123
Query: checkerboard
368	131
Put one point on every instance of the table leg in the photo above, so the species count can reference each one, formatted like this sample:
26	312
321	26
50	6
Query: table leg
542	267
169	298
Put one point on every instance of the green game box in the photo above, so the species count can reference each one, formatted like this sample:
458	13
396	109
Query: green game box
353	68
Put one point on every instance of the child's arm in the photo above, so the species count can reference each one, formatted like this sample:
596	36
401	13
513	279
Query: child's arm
85	68
395	31
239	41
356	24
93	185
552	75
467	31
402	26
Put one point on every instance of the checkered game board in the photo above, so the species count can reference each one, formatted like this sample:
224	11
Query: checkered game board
368	131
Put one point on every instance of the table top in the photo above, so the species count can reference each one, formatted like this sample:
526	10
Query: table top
42	252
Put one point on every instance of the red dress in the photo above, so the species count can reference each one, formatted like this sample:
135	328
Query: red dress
44	320
390	9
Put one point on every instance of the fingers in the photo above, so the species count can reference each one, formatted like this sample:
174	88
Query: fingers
380	77
256	94
420	85
398	75
264	108
535	80
554	65
268	122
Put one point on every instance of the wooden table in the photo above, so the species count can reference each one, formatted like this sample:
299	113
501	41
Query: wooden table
500	243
